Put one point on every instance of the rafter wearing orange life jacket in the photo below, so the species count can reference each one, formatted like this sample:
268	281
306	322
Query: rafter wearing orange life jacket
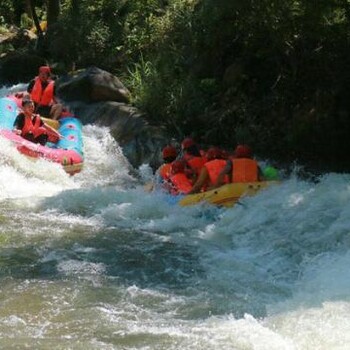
244	170
33	128
43	97
164	171
195	163
214	168
180	182
192	156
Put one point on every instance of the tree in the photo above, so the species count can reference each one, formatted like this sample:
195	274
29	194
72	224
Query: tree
31	7
53	11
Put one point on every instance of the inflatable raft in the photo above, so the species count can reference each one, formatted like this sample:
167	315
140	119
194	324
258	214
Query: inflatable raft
67	151
226	195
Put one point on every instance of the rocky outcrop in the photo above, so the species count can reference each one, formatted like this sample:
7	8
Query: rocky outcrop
93	96
141	142
92	85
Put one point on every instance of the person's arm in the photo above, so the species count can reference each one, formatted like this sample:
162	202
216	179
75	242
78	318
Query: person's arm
50	128
227	170
18	124
202	179
54	98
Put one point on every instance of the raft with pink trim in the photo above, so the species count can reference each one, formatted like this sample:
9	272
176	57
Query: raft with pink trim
68	151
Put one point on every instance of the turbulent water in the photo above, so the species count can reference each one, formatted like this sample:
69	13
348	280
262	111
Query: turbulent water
94	262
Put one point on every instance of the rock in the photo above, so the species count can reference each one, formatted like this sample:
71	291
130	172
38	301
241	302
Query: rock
92	85
19	67
141	142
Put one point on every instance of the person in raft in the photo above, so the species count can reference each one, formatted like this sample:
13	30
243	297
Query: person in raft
42	91
163	173
241	168
180	183
30	126
193	158
210	171
169	154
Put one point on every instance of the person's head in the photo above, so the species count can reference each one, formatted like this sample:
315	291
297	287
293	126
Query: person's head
27	106
243	151
189	146
177	167
213	153
44	73
169	154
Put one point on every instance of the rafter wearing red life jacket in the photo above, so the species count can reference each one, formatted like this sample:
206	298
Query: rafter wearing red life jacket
180	182
165	171
195	163
214	168
43	97
33	128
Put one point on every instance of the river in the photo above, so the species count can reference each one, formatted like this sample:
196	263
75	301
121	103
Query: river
94	262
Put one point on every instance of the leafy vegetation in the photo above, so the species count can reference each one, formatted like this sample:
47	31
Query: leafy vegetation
273	73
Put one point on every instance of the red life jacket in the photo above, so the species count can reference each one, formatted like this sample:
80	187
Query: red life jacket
34	128
196	164
164	171
181	183
214	168
42	97
244	170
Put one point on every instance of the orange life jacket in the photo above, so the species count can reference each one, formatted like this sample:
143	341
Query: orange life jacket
42	97
244	170
181	183
34	128
196	164
214	168
164	171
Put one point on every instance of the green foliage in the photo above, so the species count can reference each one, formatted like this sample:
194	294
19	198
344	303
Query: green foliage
274	72
26	21
7	12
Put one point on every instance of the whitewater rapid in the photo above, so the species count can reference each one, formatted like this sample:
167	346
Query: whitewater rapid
94	262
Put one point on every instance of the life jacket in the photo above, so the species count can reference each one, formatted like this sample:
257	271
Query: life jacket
181	184
244	170
34	128
214	168
196	164
164	171
42	97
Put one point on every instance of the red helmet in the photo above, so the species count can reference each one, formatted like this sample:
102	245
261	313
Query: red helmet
45	69
243	151
169	151
213	153
187	142
178	166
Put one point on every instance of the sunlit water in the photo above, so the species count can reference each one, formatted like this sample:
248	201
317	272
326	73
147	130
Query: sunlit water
94	262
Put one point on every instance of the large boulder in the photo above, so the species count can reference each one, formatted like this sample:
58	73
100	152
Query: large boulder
141	142
92	85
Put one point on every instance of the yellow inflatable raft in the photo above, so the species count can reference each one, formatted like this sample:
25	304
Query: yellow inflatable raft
226	195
